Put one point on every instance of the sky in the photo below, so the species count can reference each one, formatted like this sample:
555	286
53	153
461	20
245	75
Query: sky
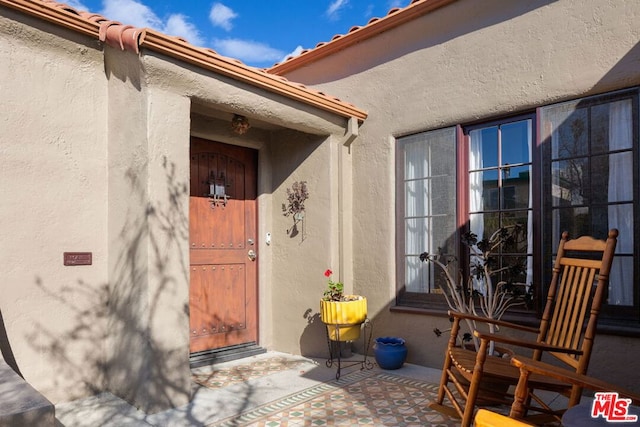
260	33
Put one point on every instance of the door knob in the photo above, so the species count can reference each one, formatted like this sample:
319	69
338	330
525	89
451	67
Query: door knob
252	255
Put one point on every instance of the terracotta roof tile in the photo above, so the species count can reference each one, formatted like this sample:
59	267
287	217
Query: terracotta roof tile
395	17
130	38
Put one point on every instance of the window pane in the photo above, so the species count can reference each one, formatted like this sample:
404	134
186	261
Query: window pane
443	153
620	216
573	220
484	143
443	195
515	186
610	177
569	137
484	225
621	281
600	128
416	155
521	218
416	239
416	198
517	272
515	142
483	189
620	125
443	240
416	275
568	179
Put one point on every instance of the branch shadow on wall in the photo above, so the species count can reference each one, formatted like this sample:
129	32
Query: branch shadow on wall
108	342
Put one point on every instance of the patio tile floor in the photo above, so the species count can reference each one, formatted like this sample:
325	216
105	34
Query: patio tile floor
359	398
276	389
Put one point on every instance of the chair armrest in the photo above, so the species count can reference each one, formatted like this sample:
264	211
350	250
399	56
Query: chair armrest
571	377
535	345
502	323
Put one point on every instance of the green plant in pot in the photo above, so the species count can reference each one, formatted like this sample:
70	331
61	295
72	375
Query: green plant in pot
343	314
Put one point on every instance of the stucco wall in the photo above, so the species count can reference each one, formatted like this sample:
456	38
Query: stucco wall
96	149
294	143
468	61
53	184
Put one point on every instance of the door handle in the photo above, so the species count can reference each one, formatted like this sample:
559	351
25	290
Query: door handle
252	254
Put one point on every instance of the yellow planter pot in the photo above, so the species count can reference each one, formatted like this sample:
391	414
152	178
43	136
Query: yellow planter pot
343	318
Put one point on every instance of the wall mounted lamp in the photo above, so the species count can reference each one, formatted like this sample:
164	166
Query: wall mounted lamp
240	124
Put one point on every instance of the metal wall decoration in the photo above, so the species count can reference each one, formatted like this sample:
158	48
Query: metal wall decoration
218	190
296	196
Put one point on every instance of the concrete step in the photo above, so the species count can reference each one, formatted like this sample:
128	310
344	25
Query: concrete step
20	403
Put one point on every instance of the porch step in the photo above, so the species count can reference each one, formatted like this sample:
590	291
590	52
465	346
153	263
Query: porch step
225	354
21	404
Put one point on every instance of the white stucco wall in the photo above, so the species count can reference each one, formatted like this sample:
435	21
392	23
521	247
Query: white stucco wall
466	62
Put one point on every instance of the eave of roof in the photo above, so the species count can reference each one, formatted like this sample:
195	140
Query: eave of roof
131	38
375	26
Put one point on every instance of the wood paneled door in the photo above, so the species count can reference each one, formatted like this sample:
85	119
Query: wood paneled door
223	299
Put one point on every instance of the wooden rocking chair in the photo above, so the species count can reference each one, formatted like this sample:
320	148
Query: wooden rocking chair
572	302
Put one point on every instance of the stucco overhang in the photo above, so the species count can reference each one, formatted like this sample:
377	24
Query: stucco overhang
375	26
130	38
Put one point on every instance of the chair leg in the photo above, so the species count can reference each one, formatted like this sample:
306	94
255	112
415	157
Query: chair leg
446	366
444	379
520	397
474	387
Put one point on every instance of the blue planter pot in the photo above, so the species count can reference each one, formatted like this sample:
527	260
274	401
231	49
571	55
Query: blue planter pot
390	352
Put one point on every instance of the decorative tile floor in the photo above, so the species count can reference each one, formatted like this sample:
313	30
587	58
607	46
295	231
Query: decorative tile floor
223	377
362	398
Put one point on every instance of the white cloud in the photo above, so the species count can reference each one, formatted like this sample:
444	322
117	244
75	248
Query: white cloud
297	51
132	12
221	16
334	8
247	51
395	3
177	25
369	11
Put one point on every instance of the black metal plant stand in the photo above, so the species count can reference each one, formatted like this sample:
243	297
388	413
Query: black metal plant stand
334	347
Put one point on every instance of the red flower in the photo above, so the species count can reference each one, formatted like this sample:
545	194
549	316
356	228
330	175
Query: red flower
328	273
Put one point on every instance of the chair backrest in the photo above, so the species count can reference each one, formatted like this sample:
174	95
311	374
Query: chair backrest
578	285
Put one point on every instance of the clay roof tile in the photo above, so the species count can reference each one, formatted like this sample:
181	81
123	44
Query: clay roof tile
130	38
395	17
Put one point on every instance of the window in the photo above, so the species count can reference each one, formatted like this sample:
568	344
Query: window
499	184
590	162
572	166
426	204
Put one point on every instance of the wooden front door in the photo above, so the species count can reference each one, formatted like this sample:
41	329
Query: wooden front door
222	231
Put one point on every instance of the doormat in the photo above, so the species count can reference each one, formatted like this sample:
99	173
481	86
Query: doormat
223	377
360	398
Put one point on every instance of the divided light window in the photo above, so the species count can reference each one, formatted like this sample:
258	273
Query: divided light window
500	186
590	161
572	166
426	209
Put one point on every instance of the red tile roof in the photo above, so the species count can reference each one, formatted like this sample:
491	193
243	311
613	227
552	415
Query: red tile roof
130	38
395	17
